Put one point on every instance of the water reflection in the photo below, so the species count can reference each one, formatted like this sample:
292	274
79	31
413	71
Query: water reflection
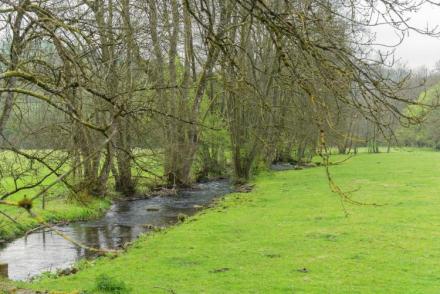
46	251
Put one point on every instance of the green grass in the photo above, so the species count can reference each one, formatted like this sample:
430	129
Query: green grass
60	209
59	205
259	242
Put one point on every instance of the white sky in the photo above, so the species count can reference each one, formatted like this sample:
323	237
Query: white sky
416	50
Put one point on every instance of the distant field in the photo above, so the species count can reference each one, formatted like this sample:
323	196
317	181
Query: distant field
290	235
58	206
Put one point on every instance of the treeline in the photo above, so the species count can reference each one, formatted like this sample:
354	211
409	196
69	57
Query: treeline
427	132
108	90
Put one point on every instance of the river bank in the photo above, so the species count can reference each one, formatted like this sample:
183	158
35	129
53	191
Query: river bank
58	211
291	234
44	250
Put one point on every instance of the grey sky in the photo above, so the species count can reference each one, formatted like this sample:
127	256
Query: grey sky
416	50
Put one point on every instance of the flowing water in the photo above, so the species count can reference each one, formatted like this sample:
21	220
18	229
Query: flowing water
44	250
280	166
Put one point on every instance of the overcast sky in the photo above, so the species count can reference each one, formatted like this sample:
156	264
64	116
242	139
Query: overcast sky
416	50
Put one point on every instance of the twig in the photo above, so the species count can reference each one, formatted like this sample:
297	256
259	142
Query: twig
27	204
33	230
68	238
10	218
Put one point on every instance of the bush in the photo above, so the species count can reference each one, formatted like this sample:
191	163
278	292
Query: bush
107	284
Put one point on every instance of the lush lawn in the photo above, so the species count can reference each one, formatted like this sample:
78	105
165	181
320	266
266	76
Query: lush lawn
58	207
290	235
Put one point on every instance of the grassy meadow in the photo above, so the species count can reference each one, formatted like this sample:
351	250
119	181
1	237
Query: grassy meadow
291	235
58	206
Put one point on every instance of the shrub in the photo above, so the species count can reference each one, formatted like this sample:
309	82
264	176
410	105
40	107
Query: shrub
107	284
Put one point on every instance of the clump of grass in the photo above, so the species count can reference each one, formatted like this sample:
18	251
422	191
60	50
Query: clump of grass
181	217
108	284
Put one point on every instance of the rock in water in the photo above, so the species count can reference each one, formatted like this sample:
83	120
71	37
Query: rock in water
246	188
149	226
152	208
181	217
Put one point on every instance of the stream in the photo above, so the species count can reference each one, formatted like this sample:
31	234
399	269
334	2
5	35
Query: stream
44	250
281	166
